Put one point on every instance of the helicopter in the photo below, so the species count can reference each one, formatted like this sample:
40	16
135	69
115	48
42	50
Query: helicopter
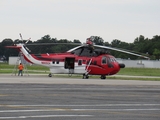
86	59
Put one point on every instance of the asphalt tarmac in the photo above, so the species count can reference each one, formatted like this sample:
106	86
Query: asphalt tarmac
41	97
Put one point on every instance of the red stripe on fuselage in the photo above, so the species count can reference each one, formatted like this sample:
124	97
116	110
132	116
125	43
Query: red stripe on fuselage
27	59
51	57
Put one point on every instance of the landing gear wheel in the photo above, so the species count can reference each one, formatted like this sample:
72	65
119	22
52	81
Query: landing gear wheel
69	74
85	76
103	77
50	75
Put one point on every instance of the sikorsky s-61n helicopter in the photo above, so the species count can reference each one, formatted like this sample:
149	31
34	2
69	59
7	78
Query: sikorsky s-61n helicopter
86	59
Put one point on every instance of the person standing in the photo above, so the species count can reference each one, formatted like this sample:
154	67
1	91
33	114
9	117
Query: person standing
20	67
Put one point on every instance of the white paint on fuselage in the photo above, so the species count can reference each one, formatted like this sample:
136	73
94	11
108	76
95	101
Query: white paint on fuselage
59	68
54	68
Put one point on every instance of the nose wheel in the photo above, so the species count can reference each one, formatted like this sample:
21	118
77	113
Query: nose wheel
103	77
50	75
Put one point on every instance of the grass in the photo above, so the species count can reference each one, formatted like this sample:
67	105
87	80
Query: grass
29	67
154	72
140	71
5	68
134	78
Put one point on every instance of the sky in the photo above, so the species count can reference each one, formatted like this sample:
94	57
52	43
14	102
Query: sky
124	20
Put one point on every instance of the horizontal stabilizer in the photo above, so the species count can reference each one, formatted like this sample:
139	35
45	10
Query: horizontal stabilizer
16	47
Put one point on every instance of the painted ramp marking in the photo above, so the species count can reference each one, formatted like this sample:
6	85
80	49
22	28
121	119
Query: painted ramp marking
72	108
44	116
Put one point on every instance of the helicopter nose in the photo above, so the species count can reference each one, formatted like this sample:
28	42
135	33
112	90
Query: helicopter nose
122	65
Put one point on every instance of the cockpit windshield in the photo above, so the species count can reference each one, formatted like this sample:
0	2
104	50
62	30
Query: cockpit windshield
112	59
107	59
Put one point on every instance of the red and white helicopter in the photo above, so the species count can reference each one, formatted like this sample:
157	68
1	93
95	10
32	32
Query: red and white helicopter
86	59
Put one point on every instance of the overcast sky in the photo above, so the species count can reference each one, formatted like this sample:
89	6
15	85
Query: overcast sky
79	19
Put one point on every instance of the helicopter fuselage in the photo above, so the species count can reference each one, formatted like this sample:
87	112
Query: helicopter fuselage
84	60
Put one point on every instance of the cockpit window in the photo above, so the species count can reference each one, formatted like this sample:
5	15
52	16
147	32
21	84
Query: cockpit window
107	60
112	59
104	60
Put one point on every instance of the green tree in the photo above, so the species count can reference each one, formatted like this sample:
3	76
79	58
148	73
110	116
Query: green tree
156	53
140	45
97	40
7	51
76	41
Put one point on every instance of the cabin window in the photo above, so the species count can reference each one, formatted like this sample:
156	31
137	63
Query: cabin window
79	62
104	60
53	62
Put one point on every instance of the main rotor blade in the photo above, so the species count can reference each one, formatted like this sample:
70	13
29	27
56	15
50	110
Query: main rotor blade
116	49
54	44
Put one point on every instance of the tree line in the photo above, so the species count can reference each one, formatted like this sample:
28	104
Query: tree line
141	45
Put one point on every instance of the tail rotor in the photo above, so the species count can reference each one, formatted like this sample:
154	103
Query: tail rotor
25	42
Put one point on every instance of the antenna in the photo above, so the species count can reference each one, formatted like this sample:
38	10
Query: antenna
20	36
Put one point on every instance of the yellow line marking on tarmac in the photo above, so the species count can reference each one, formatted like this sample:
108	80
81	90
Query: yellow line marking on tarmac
1	95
